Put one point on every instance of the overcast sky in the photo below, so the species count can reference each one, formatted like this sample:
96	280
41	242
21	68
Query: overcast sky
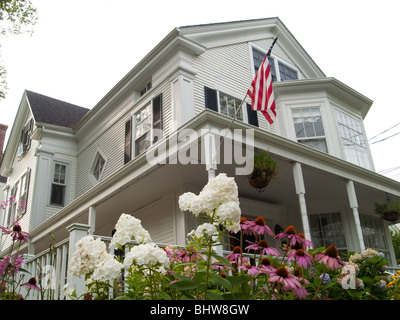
81	49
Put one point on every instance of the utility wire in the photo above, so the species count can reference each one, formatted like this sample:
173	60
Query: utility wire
384	131
386	138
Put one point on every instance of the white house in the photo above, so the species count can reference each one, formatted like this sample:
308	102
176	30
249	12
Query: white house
148	141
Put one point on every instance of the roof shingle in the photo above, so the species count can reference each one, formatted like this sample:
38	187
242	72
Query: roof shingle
53	111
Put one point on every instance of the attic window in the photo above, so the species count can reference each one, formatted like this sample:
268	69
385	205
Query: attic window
285	71
25	139
145	89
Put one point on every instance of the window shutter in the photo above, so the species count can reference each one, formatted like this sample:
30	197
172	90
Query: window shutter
252	116
128	141
157	118
210	97
26	191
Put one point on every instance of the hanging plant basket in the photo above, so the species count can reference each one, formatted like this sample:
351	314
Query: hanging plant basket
265	169
389	211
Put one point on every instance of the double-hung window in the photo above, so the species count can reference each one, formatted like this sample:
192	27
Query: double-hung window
353	140
58	185
309	128
18	198
143	128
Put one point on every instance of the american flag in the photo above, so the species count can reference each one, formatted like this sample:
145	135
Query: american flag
261	94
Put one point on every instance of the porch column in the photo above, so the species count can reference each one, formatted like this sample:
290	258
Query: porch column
351	193
92	219
301	191
210	154
77	231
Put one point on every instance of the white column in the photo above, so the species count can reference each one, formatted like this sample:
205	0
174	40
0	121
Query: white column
77	231
351	193
92	219
301	191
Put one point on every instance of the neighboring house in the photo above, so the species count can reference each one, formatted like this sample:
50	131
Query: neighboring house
75	166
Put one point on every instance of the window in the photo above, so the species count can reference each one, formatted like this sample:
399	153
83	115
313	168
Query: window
58	185
327	229
98	166
228	105
353	140
25	139
374	235
145	89
309	128
18	198
147	125
285	71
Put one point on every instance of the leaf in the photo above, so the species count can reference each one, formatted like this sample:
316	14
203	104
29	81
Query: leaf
164	295
222	281
222	260
214	296
185	285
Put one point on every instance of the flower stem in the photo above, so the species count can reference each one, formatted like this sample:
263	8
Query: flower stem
320	284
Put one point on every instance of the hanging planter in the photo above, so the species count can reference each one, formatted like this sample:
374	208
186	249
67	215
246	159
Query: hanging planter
389	211
265	169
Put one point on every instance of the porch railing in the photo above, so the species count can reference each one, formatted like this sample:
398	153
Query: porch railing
50	267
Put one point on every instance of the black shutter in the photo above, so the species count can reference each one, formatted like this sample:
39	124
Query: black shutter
252	116
128	141
210	97
157	118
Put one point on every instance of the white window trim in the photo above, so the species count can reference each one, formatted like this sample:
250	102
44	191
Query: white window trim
67	165
367	147
233	95
276	58
91	177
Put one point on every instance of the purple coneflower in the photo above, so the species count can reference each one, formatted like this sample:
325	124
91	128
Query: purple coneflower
282	275
251	270
290	233
16	232
301	257
258	226
31	284
265	265
236	253
307	243
330	258
263	247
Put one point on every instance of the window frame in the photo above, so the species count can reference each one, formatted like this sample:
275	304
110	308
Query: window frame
311	138
341	249
154	132
275	72
99	153
365	149
58	184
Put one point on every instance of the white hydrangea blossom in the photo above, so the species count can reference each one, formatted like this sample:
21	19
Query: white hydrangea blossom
218	199
88	254
148	255
128	228
205	230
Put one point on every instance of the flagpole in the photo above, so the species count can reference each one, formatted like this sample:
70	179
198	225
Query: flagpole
234	118
211	170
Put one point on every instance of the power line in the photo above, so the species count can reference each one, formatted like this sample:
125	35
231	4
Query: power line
384	131
386	138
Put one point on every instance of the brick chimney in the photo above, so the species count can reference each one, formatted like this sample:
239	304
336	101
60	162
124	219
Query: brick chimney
3	130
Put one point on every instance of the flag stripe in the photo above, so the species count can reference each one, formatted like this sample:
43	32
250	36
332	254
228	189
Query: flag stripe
261	92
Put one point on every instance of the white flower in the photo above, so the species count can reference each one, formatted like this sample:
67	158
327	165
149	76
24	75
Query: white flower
148	255
185	200
107	269
355	258
228	214
88	254
205	230
128	228
369	253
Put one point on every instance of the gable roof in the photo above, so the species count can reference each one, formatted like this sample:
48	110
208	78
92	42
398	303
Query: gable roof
53	111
